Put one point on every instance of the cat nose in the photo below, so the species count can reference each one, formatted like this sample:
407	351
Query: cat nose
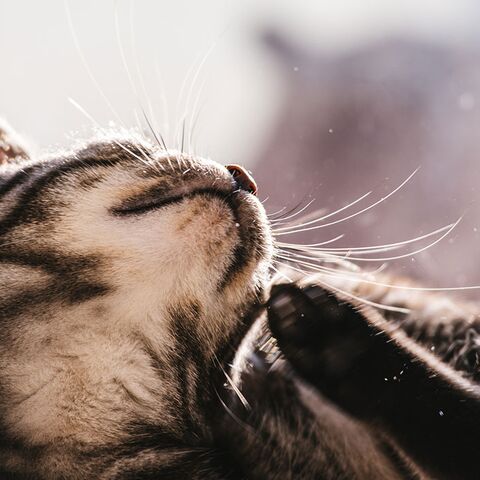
242	178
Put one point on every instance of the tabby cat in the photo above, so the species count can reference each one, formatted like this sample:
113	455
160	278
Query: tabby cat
141	337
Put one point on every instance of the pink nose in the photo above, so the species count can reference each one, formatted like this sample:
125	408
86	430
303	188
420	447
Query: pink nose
243	178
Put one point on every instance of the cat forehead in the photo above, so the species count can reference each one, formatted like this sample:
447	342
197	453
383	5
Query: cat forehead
112	160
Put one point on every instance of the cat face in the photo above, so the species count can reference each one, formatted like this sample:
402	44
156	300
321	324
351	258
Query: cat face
125	272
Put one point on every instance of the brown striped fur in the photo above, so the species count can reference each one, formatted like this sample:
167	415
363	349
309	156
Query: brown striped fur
133	344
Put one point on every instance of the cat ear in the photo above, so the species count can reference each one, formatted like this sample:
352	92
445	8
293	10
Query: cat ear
12	147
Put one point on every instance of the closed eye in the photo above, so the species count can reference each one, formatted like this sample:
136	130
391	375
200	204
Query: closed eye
145	204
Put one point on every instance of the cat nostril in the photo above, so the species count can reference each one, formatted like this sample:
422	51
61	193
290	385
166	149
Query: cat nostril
243	178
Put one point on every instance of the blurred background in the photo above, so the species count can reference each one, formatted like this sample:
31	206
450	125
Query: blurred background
321	100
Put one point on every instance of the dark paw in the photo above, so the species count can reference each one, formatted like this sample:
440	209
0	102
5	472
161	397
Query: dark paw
322	336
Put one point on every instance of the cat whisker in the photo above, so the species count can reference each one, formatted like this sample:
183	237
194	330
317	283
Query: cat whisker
283	219
318	267
358	250
158	136
319	264
319	253
139	73
160	144
305	220
146	161
163	98
363	276
94	81
160	141
288	212
182	144
196	111
294	229
194	82
234	387
335	259
409	254
279	272
180	98
240	422
309	246
86	64
196	65
351	295
277	212
138	122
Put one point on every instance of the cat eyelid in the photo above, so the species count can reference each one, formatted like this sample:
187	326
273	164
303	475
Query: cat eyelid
152	202
145	204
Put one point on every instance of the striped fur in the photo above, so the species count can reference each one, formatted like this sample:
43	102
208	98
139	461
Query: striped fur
115	318
133	340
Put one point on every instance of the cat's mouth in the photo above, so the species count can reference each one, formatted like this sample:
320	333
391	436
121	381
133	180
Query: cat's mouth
253	231
253	236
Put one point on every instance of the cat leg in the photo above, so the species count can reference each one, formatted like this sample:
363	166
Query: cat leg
273	428
375	372
445	325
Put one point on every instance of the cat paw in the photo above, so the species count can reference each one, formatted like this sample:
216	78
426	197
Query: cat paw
322	336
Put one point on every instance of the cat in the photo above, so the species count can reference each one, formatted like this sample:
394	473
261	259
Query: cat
143	336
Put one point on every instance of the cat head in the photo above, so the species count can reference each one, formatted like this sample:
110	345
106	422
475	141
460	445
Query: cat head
126	270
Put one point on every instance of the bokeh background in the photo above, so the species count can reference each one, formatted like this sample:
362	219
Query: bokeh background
323	100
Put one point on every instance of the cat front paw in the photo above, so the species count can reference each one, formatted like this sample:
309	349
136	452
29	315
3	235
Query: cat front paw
324	337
